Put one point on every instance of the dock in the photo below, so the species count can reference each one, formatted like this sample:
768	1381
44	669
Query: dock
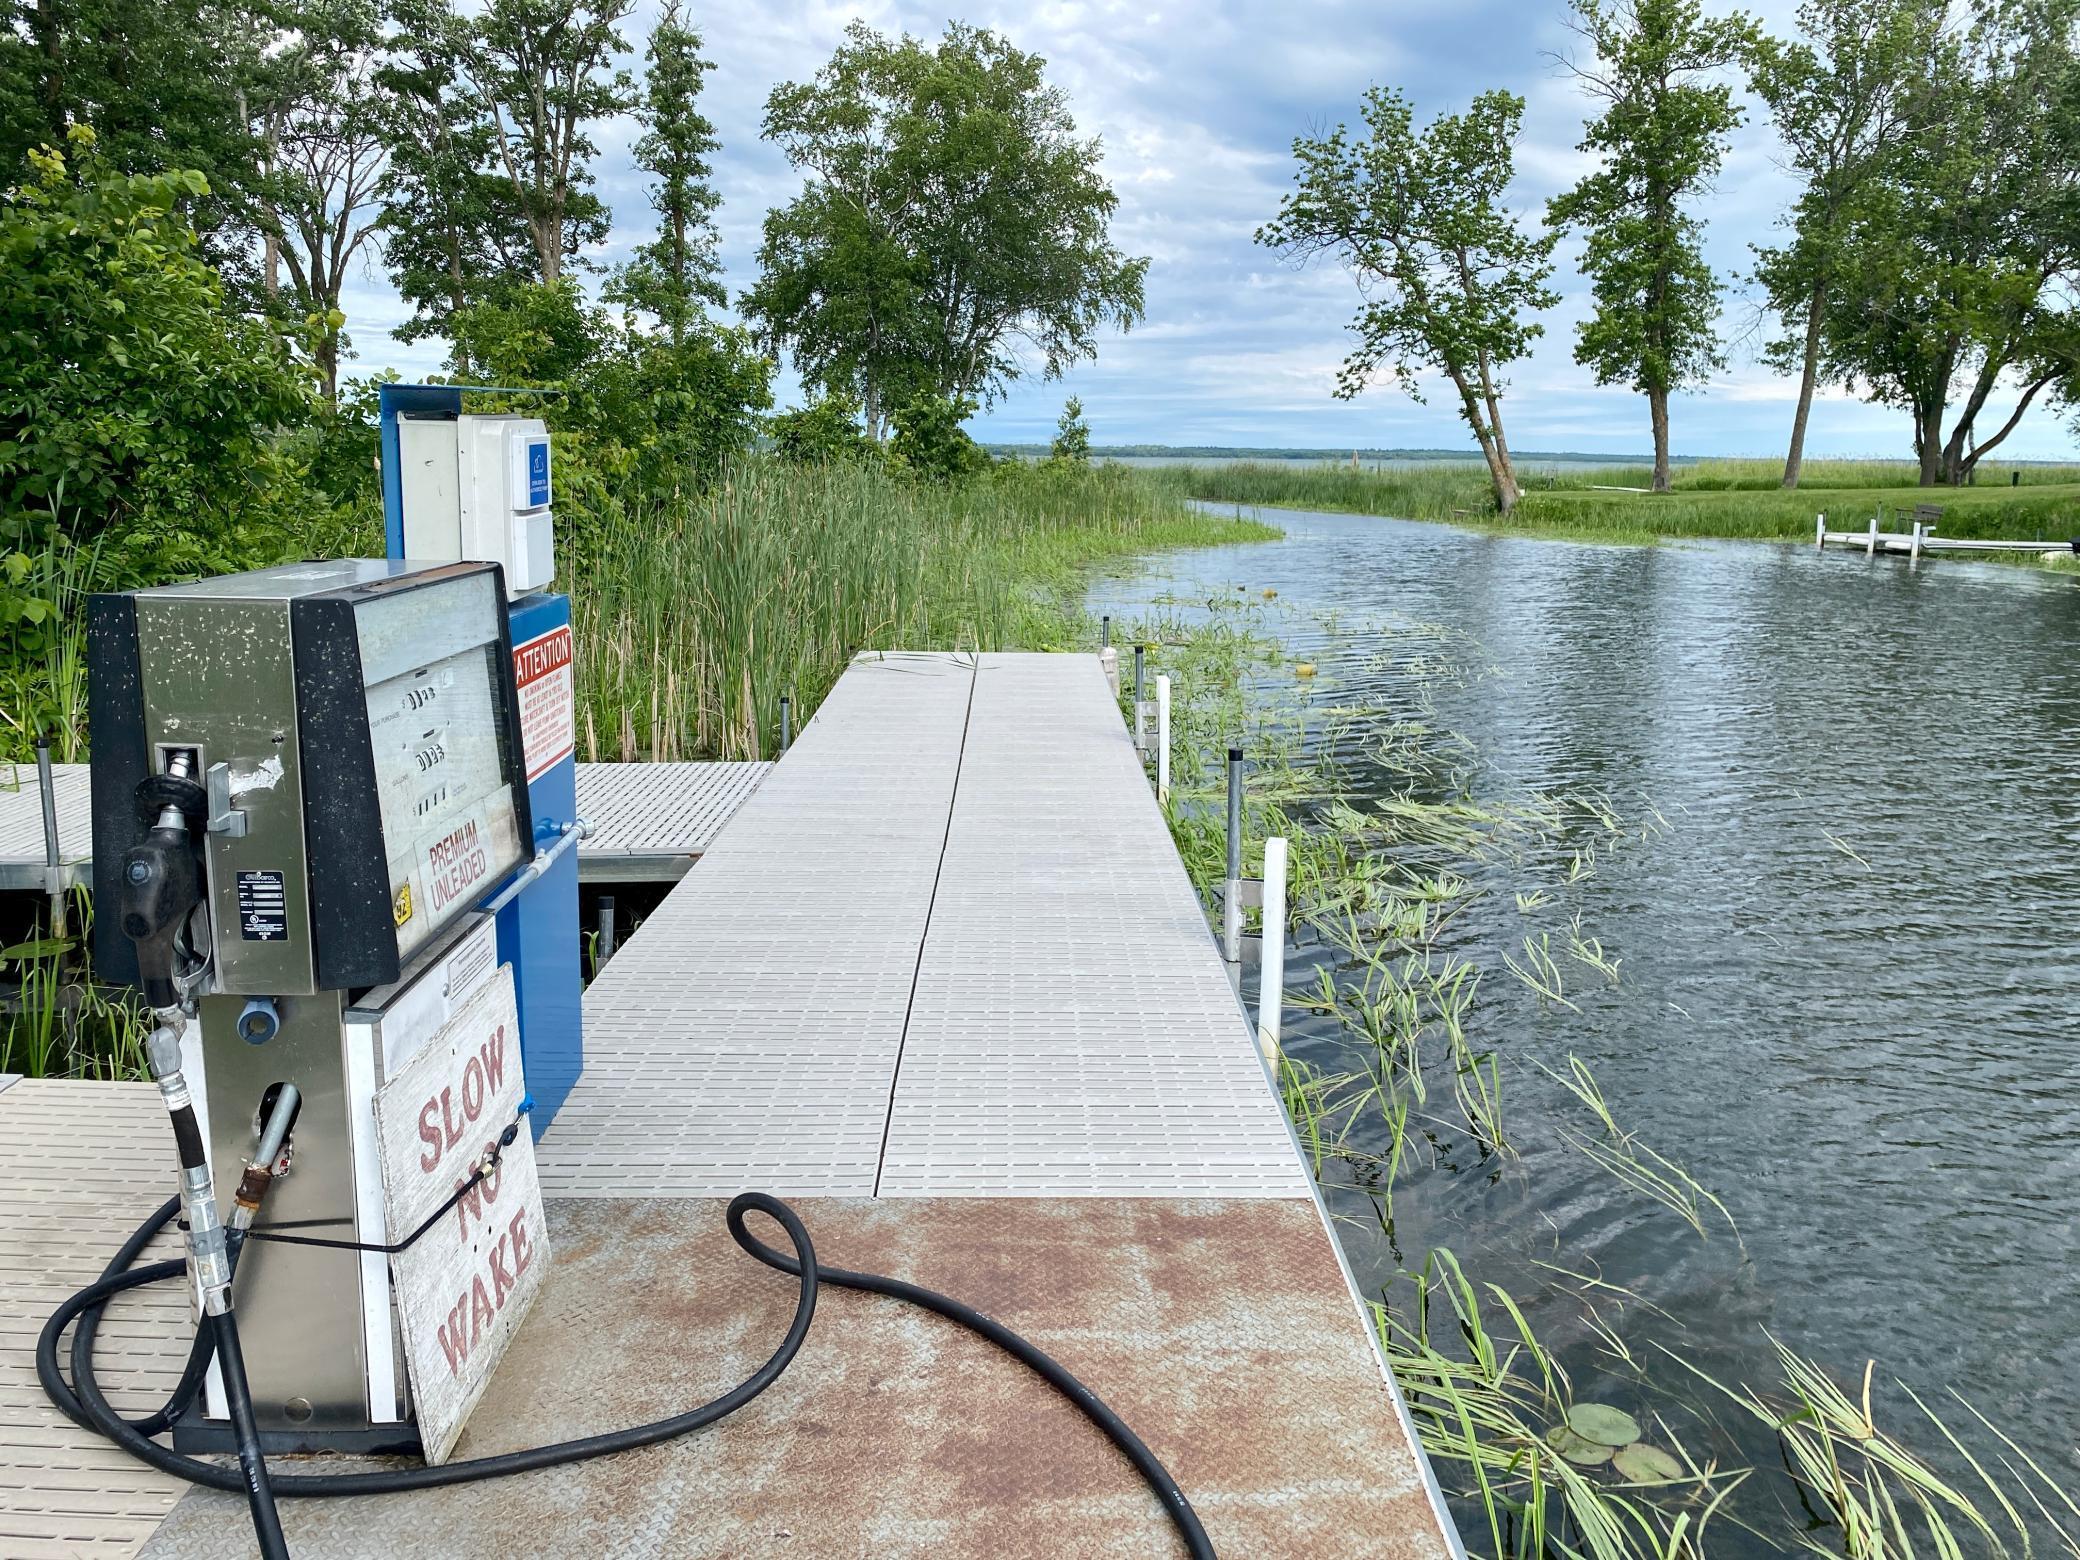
650	822
941	981
1922	539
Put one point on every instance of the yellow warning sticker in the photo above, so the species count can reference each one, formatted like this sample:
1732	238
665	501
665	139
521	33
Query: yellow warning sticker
401	905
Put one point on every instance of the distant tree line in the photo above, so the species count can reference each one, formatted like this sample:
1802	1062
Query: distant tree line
1929	259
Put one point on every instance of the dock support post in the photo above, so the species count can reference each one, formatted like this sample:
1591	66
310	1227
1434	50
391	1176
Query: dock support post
786	722
1231	896
1163	741
1108	658
1820	530
1271	974
605	949
1140	704
1870	548
53	871
1914	552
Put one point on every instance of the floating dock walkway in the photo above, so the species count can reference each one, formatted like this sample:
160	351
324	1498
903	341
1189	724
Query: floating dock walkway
941	981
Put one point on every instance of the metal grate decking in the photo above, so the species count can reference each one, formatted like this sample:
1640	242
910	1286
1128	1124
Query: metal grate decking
650	821
81	1164
747	1034
1073	1031
946	949
22	856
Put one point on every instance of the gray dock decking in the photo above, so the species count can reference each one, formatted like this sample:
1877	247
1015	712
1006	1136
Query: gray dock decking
945	952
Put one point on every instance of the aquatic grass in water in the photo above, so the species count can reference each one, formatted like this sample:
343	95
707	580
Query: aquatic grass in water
1393	916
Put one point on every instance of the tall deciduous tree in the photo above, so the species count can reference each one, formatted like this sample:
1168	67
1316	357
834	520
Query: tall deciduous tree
678	272
1840	98
1957	268
542	74
1660	71
323	164
1449	276
953	224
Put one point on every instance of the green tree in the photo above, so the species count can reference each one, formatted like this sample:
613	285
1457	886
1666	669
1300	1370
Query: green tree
134	397
953	223
1449	277
322	163
166	85
929	441
1840	99
451	230
1072	435
825	430
1659	70
1958	265
541	73
678	272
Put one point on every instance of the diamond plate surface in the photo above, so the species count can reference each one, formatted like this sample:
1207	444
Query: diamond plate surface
81	1164
21	825
1074	1032
747	1035
649	819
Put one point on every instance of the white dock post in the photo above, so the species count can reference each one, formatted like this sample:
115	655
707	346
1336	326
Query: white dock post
1870	548
1820	530
1163	740
1915	550
1271	972
1108	658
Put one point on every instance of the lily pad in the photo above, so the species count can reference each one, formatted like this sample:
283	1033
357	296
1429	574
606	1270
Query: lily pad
1644	1464
1600	1422
1576	1449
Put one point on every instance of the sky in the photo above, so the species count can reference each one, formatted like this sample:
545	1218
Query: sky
1197	106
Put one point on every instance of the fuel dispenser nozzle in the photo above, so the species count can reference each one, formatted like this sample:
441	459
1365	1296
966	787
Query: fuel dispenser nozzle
162	880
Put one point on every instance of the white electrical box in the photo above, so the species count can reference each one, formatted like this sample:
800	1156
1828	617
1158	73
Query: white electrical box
477	487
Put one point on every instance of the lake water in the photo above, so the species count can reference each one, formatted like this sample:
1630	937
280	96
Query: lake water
1849	993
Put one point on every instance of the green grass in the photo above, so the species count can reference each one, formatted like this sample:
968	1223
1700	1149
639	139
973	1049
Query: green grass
691	623
1710	499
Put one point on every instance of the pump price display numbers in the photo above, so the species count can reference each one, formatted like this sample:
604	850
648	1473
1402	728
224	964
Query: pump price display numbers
440	743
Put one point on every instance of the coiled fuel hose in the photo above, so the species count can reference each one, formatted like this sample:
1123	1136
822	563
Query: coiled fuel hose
79	1395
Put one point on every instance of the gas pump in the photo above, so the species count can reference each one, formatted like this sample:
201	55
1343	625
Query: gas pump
322	766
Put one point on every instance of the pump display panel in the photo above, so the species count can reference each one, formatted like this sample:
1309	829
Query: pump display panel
357	725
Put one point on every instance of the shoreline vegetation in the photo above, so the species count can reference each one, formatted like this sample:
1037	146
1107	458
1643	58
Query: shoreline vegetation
1565	1415
694	615
1721	499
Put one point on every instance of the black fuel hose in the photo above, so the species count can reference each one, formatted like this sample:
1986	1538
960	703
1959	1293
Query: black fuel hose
82	1400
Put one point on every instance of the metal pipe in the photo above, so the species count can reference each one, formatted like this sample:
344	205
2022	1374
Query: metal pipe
1140	704
606	931
786	722
574	831
1231	905
1105	632
1271	975
53	871
1163	741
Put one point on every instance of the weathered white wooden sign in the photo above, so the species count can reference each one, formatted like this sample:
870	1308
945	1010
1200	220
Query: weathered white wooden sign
463	1289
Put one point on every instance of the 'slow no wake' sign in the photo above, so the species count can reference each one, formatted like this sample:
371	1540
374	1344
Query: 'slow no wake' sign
464	1287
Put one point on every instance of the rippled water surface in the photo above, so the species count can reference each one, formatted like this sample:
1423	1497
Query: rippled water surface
1849	998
